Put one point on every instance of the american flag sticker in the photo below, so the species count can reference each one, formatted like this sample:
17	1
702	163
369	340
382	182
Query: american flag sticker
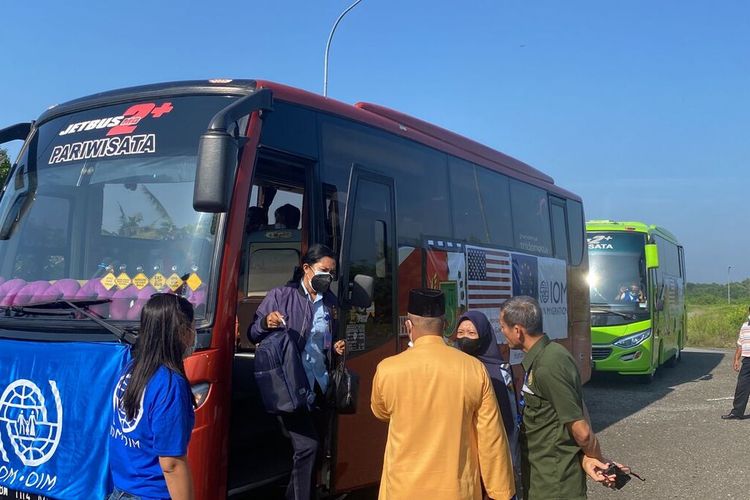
489	277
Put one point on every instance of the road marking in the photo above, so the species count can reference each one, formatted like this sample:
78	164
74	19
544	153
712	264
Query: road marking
720	399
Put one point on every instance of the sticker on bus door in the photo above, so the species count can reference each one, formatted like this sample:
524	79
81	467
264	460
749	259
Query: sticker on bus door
553	296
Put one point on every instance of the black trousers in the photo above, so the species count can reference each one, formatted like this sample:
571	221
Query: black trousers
305	442
308	431
742	392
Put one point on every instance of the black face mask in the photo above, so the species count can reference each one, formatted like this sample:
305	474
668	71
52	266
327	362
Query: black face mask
469	346
321	282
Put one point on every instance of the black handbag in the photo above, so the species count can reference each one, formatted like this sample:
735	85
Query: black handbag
346	388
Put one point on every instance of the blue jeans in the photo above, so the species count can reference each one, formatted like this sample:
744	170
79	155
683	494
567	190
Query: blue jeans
118	494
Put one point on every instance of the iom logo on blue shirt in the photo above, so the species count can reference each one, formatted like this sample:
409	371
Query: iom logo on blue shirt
32	424
126	425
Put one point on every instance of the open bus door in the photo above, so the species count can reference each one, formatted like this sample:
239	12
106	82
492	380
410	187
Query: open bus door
369	248
260	453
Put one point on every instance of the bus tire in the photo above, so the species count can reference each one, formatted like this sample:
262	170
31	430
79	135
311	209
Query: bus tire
675	360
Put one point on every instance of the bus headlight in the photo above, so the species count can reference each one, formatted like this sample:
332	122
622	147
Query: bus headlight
200	393
633	340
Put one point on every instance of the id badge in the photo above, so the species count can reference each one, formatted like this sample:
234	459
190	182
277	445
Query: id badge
327	336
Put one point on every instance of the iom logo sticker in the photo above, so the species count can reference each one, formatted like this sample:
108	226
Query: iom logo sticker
26	421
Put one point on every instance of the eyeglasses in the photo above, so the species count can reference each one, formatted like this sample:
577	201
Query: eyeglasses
333	273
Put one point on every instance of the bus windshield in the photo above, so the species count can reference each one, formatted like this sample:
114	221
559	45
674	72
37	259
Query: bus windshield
617	278
99	208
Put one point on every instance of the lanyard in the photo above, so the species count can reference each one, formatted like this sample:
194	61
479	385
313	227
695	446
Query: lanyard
522	399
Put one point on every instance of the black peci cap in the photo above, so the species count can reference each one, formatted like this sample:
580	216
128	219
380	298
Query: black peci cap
426	302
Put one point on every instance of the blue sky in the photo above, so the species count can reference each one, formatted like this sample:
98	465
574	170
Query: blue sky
640	107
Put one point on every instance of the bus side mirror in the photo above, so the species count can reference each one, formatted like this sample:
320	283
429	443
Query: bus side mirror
17	132
218	153
652	256
361	291
217	162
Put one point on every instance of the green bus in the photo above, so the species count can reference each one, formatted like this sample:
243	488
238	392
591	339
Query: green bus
637	289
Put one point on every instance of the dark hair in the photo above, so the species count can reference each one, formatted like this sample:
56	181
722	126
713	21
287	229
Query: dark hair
525	311
315	253
256	217
289	214
166	320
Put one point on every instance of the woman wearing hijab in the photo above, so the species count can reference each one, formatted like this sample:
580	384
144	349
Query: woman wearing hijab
474	336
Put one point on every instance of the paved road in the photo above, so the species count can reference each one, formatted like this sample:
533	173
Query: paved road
670	431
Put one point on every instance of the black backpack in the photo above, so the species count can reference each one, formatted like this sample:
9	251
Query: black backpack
281	379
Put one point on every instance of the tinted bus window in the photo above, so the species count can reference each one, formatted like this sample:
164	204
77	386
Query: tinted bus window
468	215
681	252
495	195
576	231
530	218
45	257
420	174
669	259
559	230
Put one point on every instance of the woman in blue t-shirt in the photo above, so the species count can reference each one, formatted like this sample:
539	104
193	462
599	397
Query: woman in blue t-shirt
153	407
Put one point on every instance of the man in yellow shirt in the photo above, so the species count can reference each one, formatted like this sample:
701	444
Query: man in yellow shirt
445	432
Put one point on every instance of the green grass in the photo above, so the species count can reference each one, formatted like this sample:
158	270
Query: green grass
715	325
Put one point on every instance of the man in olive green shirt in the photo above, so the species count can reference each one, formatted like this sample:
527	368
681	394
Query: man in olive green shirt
558	446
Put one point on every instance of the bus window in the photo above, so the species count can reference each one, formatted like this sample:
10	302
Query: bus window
495	195
468	215
559	229
681	252
575	231
272	227
669	258
332	209
420	173
272	241
45	258
530	218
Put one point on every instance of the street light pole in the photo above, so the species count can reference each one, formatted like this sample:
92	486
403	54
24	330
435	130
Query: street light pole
328	47
729	293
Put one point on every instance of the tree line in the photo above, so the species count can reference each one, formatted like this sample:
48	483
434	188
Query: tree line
4	165
716	293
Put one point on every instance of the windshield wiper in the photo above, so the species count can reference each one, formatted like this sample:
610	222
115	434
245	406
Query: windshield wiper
610	311
82	307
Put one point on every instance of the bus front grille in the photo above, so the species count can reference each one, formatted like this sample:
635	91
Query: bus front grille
599	353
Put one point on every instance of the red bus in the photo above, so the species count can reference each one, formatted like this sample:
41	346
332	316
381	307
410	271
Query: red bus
175	186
